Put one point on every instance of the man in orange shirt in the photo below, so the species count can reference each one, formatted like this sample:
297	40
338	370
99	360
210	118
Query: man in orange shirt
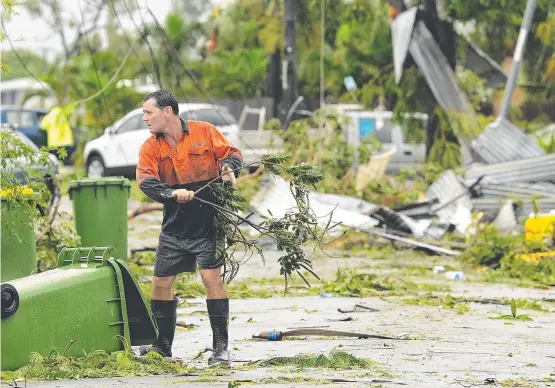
179	158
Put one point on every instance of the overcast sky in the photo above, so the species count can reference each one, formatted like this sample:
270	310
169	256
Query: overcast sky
34	34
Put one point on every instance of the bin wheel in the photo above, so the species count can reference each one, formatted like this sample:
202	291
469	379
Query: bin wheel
9	299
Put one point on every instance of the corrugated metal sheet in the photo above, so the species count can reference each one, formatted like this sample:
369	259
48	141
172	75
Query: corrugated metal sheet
442	81
521	190
534	169
490	206
448	189
502	141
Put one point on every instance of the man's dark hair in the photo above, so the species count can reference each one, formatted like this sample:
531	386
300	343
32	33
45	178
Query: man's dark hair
163	99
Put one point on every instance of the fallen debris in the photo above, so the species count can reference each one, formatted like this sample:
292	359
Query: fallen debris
274	199
185	324
145	208
414	243
372	381
346	319
354	308
279	335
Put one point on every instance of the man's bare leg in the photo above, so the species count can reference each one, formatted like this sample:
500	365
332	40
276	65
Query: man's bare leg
162	287
213	284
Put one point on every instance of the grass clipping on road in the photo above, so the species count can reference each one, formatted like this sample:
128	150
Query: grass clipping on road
94	365
337	359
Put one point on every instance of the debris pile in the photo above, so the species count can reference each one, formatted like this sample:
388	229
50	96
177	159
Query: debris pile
505	187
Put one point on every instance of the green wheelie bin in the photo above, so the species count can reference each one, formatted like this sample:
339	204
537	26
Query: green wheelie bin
100	211
90	302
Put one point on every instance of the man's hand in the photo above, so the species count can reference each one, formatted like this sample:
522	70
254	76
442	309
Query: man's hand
182	195
228	175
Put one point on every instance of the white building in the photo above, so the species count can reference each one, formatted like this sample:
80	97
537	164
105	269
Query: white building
13	92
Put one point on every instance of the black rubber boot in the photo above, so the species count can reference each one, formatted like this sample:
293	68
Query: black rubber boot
218	312
164	312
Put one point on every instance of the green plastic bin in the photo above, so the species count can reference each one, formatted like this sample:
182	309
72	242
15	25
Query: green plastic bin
18	252
100	211
91	302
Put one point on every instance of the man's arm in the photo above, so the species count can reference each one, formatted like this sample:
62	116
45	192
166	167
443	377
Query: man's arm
148	178
225	153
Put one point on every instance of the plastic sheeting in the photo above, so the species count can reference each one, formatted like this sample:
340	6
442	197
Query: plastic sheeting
274	199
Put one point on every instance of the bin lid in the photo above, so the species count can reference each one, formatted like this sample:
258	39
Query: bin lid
107	181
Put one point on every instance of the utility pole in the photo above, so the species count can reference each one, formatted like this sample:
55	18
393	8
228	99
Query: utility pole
289	69
517	58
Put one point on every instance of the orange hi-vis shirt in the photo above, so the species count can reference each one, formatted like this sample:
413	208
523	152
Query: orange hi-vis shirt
201	152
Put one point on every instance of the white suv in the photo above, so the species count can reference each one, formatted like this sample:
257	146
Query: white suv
116	152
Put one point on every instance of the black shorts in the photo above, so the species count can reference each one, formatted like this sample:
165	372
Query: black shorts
175	254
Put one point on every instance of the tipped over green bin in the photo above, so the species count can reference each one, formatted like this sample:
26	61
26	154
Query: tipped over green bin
100	211
90	302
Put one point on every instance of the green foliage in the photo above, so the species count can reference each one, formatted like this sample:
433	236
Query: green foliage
290	232
491	247
504	254
354	284
96	364
34	62
335	360
17	167
326	149
446	151
19	176
444	301
236	74
547	145
514	315
80	80
62	235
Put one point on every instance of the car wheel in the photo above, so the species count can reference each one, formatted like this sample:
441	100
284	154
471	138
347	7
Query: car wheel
95	167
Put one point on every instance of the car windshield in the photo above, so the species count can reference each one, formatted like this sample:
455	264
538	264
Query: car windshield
217	117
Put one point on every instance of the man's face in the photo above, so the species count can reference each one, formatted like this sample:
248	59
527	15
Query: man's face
156	118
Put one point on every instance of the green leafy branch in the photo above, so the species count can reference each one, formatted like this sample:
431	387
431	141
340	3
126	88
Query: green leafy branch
290	232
